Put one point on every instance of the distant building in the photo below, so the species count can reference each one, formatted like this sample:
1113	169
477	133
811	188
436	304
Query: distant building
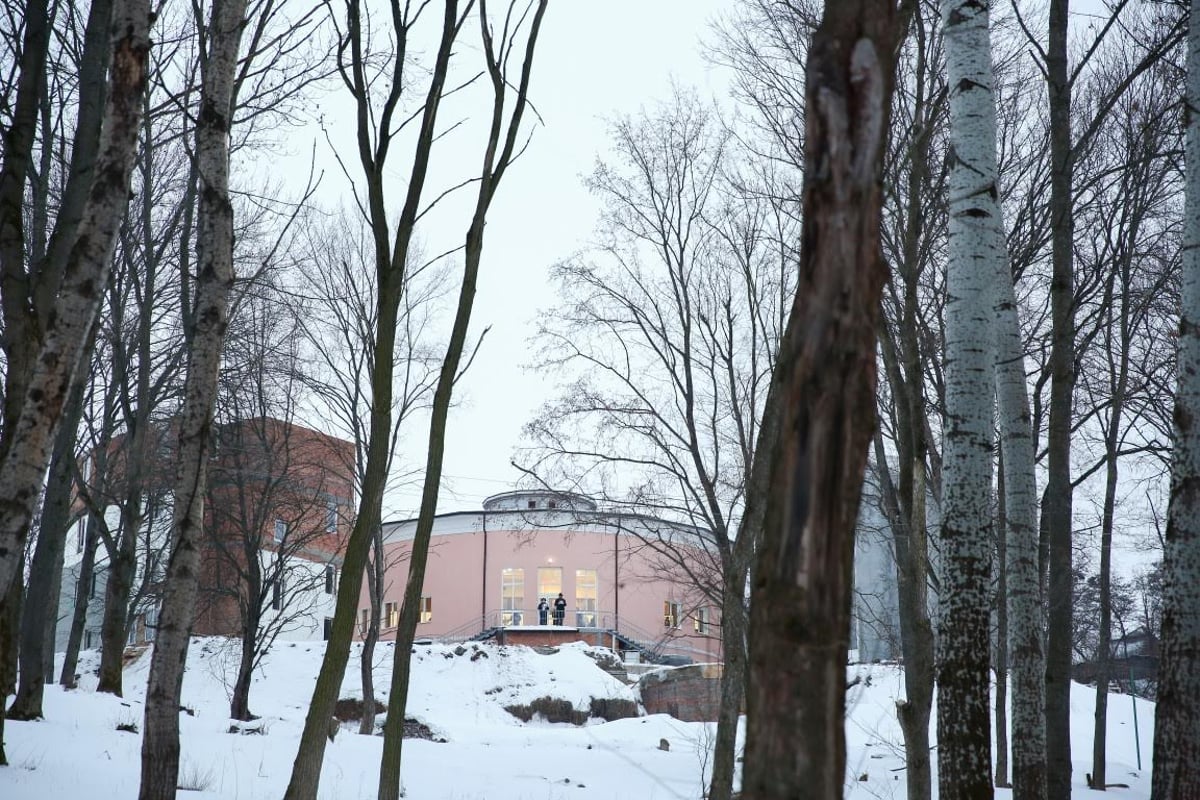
273	487
488	569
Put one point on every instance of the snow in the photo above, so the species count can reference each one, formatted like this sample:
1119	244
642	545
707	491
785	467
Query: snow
460	693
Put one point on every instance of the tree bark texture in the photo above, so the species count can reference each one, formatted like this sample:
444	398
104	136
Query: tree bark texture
963	676
1022	589
1177	720
825	377
45	573
33	428
214	280
1057	508
1000	660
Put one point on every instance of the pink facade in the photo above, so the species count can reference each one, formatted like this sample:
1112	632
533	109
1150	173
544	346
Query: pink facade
488	569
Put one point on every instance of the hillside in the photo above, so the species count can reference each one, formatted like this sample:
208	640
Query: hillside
460	694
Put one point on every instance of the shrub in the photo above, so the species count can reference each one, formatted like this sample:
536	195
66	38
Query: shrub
349	709
611	708
552	709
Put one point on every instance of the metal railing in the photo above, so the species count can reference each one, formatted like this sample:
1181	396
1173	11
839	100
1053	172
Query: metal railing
653	647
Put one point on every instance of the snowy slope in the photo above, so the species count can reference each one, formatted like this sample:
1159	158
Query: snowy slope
489	754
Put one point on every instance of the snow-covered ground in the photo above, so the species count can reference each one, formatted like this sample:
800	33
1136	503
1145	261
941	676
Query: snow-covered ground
77	751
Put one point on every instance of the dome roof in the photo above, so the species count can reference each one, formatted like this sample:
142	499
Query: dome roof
538	500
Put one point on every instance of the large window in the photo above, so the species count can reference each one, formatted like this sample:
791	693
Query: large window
700	620
391	615
585	598
672	611
549	583
512	596
426	606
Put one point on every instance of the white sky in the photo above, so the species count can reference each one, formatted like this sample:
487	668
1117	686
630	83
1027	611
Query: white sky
594	60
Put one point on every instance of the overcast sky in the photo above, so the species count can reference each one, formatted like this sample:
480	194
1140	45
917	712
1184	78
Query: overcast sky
594	60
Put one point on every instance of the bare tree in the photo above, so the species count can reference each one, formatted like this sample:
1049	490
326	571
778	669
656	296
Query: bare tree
375	81
40	368
825	377
339	326
669	332
214	279
503	145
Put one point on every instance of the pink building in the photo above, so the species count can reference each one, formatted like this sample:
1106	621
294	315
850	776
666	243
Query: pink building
629	581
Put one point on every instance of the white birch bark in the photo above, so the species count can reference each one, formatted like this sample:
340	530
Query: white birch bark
1177	723
1025	623
23	469
963	714
214	279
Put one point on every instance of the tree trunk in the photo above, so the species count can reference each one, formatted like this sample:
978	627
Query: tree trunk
733	681
1177	720
1001	659
389	265
214	279
825	377
375	583
29	432
114	630
10	628
38	623
87	566
239	703
963	715
1021	597
498	155
1057	509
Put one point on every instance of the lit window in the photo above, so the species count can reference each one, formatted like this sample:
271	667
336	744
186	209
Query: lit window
280	530
391	614
512	596
672	611
700	621
426	606
585	598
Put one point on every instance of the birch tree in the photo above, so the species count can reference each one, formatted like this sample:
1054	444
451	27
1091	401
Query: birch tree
1177	721
214	279
963	708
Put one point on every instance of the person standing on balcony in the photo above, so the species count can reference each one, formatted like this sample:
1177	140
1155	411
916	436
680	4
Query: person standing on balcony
560	609
543	609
